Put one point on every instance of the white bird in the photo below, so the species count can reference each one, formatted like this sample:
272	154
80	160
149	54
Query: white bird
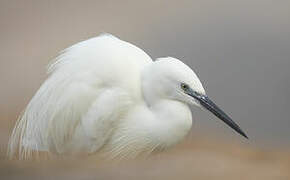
107	96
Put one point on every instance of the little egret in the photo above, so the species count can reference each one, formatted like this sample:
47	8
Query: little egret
107	96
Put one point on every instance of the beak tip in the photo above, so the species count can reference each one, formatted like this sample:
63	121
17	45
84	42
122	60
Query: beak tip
243	134
246	136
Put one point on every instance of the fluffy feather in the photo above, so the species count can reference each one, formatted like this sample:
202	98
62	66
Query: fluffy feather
79	79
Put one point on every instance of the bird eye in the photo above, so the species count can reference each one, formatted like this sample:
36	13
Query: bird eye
184	86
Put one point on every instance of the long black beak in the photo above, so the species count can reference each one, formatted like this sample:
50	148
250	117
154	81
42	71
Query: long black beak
212	107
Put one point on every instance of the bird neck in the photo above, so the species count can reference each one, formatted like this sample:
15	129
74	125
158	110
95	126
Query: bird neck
173	119
150	85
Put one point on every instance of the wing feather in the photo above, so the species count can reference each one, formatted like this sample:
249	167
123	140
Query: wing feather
70	104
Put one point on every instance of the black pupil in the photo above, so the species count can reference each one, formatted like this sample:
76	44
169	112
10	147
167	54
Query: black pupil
184	86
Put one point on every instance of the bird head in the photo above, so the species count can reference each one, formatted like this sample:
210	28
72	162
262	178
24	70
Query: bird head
169	78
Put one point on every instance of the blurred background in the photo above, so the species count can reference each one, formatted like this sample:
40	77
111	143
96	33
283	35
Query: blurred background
239	49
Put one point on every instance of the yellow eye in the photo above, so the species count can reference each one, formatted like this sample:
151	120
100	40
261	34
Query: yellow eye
184	86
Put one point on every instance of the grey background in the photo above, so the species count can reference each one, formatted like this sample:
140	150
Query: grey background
239	49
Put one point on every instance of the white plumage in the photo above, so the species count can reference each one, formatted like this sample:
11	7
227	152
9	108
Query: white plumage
107	96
